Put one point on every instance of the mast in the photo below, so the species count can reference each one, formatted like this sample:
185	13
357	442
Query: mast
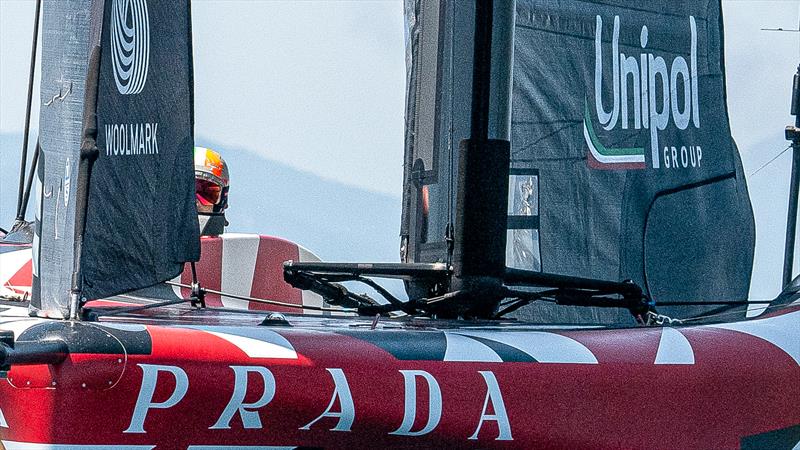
481	200
87	157
793	134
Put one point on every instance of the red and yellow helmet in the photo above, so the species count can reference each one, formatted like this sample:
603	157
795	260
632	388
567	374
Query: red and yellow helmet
210	181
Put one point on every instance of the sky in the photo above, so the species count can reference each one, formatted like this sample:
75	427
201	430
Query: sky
319	85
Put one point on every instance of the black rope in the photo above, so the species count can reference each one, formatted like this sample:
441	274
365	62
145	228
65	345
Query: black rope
24	160
28	185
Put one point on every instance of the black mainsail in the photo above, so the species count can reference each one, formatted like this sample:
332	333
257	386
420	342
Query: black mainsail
139	215
622	162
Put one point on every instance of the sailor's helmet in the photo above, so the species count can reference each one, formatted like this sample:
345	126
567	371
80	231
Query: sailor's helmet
211	181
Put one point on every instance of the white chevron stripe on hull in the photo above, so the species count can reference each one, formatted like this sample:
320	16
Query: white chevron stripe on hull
257	343
781	331
309	298
464	349
543	347
674	348
239	257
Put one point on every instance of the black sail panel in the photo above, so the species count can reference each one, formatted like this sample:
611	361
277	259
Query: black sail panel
622	166
141	221
621	109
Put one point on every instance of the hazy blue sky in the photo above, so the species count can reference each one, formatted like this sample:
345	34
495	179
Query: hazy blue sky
319	85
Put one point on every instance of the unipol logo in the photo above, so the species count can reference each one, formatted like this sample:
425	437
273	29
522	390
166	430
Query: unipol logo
648	93
130	44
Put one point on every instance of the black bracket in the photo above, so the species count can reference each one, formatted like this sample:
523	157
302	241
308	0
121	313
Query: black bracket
793	134
198	295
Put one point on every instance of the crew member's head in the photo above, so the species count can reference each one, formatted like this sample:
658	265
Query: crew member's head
211	190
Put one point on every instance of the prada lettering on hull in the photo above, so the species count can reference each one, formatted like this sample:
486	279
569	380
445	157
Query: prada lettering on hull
175	380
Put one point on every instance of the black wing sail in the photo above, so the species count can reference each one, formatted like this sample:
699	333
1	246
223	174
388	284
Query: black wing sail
141	221
622	161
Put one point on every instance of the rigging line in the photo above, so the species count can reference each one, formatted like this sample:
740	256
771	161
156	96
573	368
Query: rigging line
701	303
24	156
450	174
717	315
262	300
29	183
523	298
141	307
544	122
396	302
720	313
552	133
771	160
550	159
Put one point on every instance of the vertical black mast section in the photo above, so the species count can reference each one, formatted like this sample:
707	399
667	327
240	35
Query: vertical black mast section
482	69
793	134
88	156
24	157
482	195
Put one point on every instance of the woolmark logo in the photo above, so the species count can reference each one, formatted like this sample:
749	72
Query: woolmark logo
645	95
130	44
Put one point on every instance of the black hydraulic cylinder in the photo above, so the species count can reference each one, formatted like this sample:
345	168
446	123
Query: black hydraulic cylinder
482	208
29	352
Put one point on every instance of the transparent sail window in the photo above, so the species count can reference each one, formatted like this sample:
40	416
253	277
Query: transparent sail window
522	239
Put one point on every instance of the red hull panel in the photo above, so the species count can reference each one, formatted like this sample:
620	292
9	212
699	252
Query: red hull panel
176	387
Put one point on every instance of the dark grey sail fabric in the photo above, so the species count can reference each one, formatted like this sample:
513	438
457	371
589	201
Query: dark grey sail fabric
623	165
66	37
140	222
141	219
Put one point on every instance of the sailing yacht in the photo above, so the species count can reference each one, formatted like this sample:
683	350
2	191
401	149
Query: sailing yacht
569	184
